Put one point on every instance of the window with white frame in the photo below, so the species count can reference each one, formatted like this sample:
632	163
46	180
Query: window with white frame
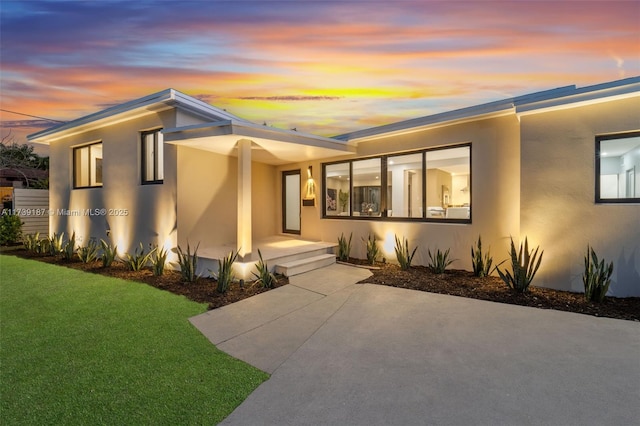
431	185
87	166
152	157
618	168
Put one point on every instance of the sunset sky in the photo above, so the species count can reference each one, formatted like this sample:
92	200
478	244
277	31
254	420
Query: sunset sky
324	67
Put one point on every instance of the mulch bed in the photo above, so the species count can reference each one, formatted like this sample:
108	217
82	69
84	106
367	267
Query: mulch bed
202	291
453	282
463	283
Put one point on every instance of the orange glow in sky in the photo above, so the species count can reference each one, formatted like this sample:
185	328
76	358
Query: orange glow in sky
322	67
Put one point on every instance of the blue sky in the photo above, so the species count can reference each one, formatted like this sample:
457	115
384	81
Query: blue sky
324	67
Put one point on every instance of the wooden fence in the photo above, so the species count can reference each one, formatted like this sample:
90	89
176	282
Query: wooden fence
32	205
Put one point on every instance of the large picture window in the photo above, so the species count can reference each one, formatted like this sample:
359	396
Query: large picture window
430	185
618	168
87	166
152	157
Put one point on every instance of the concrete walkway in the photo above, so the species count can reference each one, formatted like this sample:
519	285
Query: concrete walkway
373	355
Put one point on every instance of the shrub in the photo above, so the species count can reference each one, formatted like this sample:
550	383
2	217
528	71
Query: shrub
264	277
439	261
188	263
482	262
344	247
372	249
89	253
596	276
10	229
69	248
225	272
158	260
55	244
523	265
402	253
138	260
109	253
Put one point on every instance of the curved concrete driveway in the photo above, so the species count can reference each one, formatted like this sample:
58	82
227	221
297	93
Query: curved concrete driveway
373	355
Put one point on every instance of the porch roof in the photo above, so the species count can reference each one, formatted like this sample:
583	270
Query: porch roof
269	145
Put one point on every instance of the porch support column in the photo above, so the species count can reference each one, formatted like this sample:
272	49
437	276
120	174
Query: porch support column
243	241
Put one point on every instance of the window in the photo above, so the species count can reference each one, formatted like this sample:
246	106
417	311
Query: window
431	185
152	157
366	185
337	188
404	185
87	166
448	183
618	168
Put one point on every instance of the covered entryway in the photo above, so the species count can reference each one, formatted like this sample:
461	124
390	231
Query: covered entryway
230	191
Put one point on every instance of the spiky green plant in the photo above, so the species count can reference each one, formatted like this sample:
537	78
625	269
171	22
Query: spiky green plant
344	247
403	255
372	248
596	277
158	260
138	259
523	267
56	244
109	253
225	272
188	263
439	261
69	248
482	262
264	277
88	253
32	242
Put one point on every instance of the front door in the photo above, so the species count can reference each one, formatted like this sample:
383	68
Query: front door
291	202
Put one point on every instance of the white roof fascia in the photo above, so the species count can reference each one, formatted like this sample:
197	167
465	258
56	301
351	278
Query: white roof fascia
251	130
589	95
155	102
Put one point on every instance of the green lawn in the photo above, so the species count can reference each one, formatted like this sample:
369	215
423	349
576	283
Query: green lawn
80	348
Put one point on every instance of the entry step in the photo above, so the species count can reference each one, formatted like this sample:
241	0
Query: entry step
297	267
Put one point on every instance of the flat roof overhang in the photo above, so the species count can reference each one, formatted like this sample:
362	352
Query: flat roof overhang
269	145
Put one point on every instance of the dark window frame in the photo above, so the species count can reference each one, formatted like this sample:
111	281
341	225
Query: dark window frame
155	180
75	151
383	183
598	140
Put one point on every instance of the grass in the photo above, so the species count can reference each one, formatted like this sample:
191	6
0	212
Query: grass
79	348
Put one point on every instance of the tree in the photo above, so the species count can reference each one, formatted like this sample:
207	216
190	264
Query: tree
20	161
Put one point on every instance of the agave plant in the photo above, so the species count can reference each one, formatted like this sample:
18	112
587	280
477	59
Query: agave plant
158	260
109	253
69	247
372	249
88	253
344	247
188	263
523	265
596	277
403	255
56	243
439	261
32	242
264	276
225	272
482	262
138	259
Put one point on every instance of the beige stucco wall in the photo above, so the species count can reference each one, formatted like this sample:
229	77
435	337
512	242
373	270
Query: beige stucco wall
207	198
558	210
151	215
495	194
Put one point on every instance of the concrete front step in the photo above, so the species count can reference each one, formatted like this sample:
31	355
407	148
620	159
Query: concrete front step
300	266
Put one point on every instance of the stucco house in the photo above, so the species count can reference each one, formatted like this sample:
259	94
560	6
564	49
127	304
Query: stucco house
561	167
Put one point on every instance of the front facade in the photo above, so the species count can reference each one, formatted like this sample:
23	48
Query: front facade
561	167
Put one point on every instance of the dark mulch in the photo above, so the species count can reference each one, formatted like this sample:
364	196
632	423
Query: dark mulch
453	282
463	283
202	291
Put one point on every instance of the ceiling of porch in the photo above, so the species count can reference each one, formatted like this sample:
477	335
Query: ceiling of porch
269	145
